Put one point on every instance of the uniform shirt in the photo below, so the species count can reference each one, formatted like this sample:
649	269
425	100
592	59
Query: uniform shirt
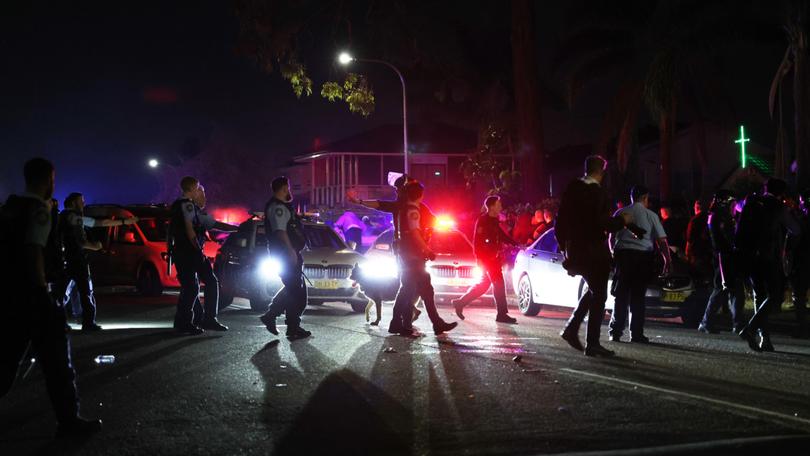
646	220
393	207
73	235
38	221
277	216
185	211
24	220
410	226
488	238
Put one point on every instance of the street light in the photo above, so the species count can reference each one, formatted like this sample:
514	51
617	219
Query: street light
153	163
345	58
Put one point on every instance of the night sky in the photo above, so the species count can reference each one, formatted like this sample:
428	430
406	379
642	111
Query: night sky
103	87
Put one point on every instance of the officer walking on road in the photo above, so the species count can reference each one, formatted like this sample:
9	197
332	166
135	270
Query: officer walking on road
764	223
635	265
285	240
488	241
33	318
800	273
728	278
582	223
187	229
415	282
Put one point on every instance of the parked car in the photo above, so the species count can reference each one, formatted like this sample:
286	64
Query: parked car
452	272
540	279
245	269
134	254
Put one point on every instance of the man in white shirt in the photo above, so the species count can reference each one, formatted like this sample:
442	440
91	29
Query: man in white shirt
635	262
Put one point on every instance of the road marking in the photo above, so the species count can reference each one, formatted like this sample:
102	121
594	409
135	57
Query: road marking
751	412
730	445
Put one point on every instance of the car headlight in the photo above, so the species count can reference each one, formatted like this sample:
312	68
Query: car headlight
380	267
477	273
269	269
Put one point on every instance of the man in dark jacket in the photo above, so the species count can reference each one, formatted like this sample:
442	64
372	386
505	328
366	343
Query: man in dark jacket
800	271
488	240
583	222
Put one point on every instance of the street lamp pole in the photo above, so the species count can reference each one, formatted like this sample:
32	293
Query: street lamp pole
345	59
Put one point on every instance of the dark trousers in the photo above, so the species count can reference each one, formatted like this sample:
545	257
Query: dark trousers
799	283
191	270
355	235
78	277
634	269
768	280
42	325
414	283
291	299
492	275
733	294
592	302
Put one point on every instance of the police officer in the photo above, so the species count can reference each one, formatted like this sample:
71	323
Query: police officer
488	241
35	319
635	265
285	240
187	229
415	281
764	223
54	253
728	280
800	273
74	239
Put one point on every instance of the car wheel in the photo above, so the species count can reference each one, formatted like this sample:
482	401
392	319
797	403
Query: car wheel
225	298
148	281
260	298
526	303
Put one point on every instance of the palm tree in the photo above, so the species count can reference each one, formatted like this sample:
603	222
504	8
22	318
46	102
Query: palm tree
664	52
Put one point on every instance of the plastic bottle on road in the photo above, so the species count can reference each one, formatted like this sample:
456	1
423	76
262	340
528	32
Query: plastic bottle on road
105	359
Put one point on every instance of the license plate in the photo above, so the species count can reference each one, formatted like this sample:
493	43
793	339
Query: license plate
673	296
326	284
456	282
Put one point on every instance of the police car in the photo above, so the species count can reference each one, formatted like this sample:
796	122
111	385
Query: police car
452	272
134	254
540	279
245	269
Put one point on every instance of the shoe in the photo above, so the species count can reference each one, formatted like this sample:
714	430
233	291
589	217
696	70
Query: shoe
270	323
298	333
747	336
505	318
443	327
765	342
416	313
706	330
77	429
394	329
375	323
640	339
91	327
598	350
573	340
407	332
191	330
459	306
214	325
615	338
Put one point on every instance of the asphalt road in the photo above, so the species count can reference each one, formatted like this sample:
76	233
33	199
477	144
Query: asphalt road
353	389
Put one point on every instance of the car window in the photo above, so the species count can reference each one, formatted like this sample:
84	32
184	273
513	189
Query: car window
450	242
100	234
384	240
155	230
547	242
320	237
127	234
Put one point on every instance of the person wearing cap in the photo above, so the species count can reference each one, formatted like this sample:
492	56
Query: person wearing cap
765	221
800	272
728	283
635	265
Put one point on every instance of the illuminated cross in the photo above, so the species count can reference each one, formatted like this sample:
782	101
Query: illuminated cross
742	142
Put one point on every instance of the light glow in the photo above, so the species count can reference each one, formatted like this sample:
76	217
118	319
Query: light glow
270	269
742	142
380	267
477	273
345	58
444	223
153	163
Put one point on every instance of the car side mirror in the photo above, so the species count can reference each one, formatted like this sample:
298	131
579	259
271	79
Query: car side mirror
241	243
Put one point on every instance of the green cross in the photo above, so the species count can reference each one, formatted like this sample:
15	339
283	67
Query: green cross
742	142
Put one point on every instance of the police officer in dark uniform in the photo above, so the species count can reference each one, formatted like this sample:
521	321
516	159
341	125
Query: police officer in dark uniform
34	319
728	279
764	222
800	271
488	241
285	240
54	253
187	229
415	281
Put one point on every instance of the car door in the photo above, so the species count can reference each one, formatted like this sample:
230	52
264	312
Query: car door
553	285
126	252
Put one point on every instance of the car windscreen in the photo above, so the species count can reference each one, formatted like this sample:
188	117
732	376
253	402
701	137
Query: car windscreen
318	237
384	240
547	242
450	243
155	229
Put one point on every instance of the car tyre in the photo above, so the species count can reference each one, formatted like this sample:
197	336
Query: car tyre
526	303
148	281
